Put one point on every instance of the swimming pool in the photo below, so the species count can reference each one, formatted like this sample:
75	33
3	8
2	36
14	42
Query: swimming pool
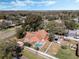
38	44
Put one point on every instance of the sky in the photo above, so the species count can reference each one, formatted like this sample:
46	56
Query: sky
39	4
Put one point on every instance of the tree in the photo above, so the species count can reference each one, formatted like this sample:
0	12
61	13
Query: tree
50	18
9	49
70	24
55	28
51	36
32	22
6	48
20	33
2	16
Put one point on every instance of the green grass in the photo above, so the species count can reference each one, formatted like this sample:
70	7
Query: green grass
31	55
66	54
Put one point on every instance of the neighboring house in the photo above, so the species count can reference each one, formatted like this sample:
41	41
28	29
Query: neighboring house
8	23
58	21
73	33
77	34
20	44
4	24
76	20
22	19
38	37
1	20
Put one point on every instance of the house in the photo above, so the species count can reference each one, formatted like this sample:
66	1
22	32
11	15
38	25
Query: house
76	20
73	33
77	34
1	20
22	19
20	44
58	21
8	23
38	37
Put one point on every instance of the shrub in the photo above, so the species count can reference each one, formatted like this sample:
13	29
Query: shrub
20	33
27	44
64	47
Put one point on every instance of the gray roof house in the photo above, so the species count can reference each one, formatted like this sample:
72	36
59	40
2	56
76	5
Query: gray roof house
74	33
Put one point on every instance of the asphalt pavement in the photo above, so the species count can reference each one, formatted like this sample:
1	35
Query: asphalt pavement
8	32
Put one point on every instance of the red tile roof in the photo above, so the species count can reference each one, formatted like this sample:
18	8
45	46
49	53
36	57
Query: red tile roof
36	36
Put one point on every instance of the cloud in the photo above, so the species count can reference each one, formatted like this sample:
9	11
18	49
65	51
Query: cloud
29	3
77	1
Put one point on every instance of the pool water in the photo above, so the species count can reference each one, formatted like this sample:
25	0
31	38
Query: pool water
38	44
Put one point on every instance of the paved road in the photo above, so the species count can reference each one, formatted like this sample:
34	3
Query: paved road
8	33
71	38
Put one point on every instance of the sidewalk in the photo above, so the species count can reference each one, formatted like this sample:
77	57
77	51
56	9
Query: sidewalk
47	56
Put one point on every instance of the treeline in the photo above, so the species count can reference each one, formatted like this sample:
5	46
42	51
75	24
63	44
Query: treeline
55	14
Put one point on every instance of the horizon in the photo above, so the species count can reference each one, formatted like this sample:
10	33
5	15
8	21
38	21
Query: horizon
39	10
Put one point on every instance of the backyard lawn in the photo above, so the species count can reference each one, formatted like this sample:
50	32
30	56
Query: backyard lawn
31	55
66	54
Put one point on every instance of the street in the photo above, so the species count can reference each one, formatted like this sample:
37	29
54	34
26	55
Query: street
8	33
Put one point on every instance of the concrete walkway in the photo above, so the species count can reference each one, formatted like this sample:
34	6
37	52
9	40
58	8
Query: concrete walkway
46	56
48	47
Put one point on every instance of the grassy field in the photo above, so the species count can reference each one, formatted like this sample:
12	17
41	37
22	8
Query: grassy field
30	55
67	54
